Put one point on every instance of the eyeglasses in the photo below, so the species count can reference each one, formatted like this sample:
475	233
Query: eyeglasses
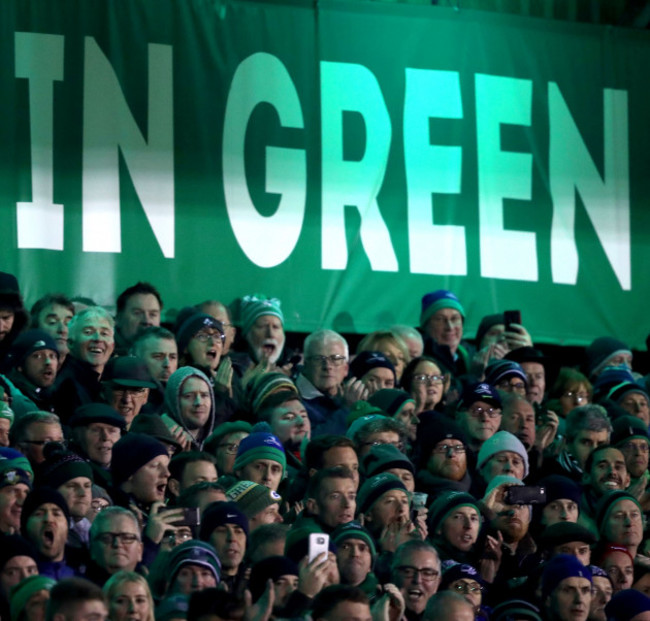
577	396
450	448
507	386
109	539
468	587
478	412
397	445
335	360
176	538
120	390
231	449
204	337
428	574
641	448
44	442
429	379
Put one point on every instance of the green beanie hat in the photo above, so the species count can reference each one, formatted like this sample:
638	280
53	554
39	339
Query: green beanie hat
257	305
21	593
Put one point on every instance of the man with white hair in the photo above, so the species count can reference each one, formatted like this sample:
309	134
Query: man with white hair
325	396
91	339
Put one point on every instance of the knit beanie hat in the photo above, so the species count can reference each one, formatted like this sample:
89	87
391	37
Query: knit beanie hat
15	545
478	392
515	609
489	321
445	503
360	409
560	487
367	361
390	400
560	567
499	442
616	382
504	369
214	439
360	422
61	466
500	480
22	592
27	343
260	445
374	487
272	567
436	300
14	468
6	412
296	546
564	532
38	497
193	552
257	305
172	607
131	452
384	457
457	571
262	387
626	605
432	429
251	498
607	502
354	530
610	548
193	324
601	351
628	428
220	513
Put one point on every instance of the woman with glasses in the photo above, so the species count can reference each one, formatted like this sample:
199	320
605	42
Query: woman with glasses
570	390
427	381
464	580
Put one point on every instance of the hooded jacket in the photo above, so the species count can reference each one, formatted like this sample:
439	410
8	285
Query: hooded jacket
173	403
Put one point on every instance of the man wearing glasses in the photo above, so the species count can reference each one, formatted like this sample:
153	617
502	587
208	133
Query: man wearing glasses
416	573
115	544
325	396
479	416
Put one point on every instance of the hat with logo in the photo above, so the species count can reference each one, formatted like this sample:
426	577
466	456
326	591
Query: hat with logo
628	428
193	552
128	371
437	300
257	305
193	324
14	468
458	571
503	369
559	568
374	487
220	513
354	530
29	342
478	392
366	361
251	498
260	445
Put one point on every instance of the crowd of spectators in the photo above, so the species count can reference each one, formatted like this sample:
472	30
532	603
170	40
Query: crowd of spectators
194	468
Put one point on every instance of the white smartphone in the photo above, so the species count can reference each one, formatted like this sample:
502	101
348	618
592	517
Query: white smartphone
318	543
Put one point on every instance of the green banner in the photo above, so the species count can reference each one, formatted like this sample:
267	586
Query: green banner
345	157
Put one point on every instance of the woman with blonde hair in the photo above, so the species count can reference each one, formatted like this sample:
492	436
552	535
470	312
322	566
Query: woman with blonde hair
389	344
129	597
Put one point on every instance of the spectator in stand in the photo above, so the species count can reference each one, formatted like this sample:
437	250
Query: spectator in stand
391	346
74	599
13	316
187	469
221	313
138	308
129	597
570	390
537	369
566	589
606	351
374	370
427	381
224	442
30	433
258	503
52	313
411	337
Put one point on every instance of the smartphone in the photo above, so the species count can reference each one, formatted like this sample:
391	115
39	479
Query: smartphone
418	503
525	495
191	516
510	317
318	543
